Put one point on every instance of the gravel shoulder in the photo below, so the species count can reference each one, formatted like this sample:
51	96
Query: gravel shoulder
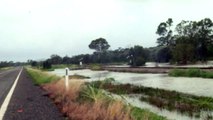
29	103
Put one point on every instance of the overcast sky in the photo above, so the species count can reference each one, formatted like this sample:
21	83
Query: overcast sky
35	29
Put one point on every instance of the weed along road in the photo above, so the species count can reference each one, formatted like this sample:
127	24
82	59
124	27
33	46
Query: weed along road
27	101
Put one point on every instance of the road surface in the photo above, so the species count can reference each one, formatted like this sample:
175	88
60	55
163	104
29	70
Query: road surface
7	78
28	102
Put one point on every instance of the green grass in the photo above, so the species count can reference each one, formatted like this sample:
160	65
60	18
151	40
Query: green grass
191	73
89	93
40	77
144	114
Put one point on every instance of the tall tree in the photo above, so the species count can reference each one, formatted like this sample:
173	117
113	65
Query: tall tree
200	36
99	45
183	51
205	32
56	59
165	33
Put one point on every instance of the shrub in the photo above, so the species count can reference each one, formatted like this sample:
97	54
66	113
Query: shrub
140	61
177	73
193	73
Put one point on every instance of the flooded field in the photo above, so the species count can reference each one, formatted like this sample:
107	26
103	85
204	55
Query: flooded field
195	86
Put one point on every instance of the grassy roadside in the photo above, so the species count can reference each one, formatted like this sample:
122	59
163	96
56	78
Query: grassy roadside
40	78
6	68
191	73
82	101
170	100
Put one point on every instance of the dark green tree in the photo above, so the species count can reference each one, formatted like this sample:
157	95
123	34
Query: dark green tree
163	54
137	56
205	38
34	63
99	45
165	33
56	59
183	51
199	34
66	60
47	64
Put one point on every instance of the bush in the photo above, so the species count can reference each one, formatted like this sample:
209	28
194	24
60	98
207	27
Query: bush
47	65
140	61
177	73
193	72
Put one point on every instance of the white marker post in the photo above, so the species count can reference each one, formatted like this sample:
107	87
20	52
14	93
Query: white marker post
67	78
80	63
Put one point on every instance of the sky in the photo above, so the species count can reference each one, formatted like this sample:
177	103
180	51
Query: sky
36	29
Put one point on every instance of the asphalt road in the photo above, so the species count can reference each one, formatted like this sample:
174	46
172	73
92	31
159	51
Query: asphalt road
7	78
29	102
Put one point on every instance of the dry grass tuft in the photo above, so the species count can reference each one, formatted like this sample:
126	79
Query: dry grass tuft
68	100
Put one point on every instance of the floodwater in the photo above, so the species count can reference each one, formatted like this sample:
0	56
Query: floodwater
195	86
171	115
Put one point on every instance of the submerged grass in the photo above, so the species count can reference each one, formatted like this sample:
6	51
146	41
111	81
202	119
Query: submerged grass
171	100
191	73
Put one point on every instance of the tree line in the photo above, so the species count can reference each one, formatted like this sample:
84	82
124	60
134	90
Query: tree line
11	63
187	42
135	56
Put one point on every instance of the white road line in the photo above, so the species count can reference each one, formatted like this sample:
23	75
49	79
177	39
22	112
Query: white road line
5	104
